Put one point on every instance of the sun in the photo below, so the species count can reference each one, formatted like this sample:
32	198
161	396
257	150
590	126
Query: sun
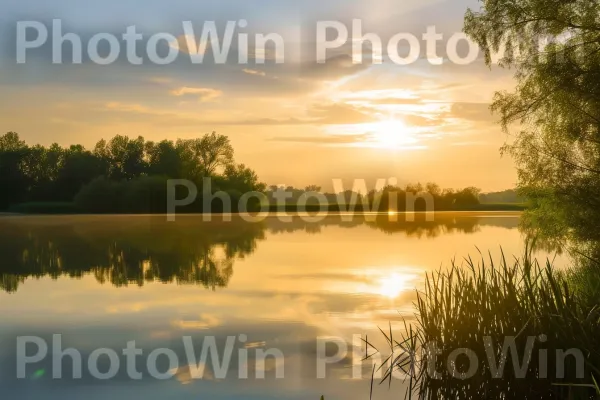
392	133
392	285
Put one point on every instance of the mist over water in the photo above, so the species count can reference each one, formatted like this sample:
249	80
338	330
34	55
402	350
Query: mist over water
104	281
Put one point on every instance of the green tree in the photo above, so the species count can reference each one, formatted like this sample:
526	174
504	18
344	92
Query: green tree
14	182
164	158
100	196
554	112
146	194
42	166
313	188
204	157
11	142
243	179
214	151
125	156
79	167
467	197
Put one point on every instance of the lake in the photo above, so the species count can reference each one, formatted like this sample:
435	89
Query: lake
273	297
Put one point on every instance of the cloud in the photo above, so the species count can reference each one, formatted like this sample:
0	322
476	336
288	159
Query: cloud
394	101
205	94
160	80
338	114
476	112
470	143
128	107
137	113
254	72
205	321
315	114
183	42
318	114
333	68
420	120
325	139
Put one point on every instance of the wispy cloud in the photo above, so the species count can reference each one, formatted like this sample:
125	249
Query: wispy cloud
477	112
254	72
128	107
160	80
324	139
183	45
205	94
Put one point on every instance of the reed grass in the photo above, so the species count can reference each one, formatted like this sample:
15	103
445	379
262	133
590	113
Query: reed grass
477	305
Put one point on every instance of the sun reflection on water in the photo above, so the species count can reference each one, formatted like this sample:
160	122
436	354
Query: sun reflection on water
389	283
391	286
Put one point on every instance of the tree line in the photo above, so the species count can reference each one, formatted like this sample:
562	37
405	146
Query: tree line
124	175
134	170
397	198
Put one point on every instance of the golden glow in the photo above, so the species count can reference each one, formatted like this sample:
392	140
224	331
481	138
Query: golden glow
392	133
392	285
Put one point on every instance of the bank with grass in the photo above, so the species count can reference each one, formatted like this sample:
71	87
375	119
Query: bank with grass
508	328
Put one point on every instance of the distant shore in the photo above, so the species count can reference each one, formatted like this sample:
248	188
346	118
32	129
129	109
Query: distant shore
72	209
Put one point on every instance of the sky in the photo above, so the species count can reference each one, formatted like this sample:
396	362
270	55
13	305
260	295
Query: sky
295	123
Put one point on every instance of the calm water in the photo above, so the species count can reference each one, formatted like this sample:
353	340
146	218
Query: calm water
101	282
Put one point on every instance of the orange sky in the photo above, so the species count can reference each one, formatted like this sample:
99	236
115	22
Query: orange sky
297	123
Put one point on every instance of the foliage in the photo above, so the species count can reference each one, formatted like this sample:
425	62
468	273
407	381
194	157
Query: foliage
100	196
214	151
462	306
143	195
14	181
242	178
399	199
146	195
123	251
554	111
389	198
119	175
505	197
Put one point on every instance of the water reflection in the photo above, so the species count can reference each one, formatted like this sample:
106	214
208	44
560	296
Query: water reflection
135	250
100	282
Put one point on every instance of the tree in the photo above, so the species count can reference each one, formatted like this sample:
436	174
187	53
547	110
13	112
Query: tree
163	159
123	173
467	197
214	151
14	182
100	196
42	166
433	189
79	167
243	179
554	112
146	194
313	188
188	158
11	142
124	156
203	157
